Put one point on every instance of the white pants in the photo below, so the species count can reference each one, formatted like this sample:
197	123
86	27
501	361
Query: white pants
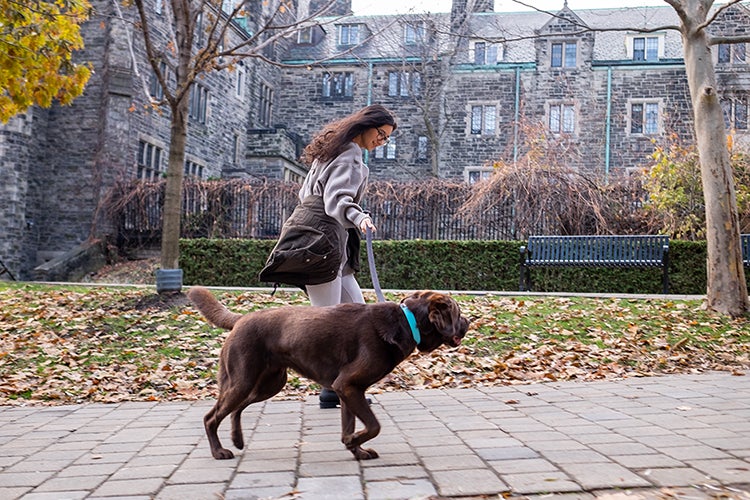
343	289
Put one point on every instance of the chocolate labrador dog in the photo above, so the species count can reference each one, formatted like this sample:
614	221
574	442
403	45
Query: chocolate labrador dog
347	347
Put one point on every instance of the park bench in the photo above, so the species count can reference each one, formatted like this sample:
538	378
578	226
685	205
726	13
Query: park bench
595	251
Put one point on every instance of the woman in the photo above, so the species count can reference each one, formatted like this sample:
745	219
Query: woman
338	175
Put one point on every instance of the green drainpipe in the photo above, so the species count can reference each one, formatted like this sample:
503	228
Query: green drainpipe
369	98
608	124
516	114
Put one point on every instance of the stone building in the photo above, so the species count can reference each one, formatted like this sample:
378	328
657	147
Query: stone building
469	87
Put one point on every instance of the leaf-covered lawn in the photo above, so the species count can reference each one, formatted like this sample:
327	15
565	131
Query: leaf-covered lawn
61	345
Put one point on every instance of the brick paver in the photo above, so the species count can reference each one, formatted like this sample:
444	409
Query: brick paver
627	438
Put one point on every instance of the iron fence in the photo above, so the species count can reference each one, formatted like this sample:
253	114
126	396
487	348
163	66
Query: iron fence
257	209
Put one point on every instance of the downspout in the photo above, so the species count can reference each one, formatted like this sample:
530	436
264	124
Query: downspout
369	82
516	115
369	98
608	124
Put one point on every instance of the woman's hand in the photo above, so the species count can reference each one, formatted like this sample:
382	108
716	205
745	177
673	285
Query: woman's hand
367	223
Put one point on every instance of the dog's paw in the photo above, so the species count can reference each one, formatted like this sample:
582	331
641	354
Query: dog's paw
238	441
364	453
222	454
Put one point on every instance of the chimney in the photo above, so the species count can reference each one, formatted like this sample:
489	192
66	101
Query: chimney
339	7
458	14
484	6
460	9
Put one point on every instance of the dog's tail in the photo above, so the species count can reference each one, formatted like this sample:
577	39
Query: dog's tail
213	311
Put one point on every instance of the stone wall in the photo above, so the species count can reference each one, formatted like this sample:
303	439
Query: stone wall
15	162
59	167
58	163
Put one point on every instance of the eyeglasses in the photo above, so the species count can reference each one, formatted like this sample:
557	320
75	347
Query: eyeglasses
382	136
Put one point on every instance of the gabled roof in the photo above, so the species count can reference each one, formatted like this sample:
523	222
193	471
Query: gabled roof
612	28
563	21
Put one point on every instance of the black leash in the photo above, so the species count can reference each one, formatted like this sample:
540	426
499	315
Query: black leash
371	265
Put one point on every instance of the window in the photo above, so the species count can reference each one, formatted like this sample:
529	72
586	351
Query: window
193	169
414	33
149	161
739	53
646	48
483	119
404	83
732	53
724	52
423	147
292	176
483	53
265	104
155	89
570	55
476	174
198	103
221	43
348	34
269	50
644	118
240	82
338	85
199	29
735	112
564	55
387	151
236	153
562	118
242	22
304	36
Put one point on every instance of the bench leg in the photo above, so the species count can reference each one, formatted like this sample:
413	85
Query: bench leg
5	270
525	283
525	279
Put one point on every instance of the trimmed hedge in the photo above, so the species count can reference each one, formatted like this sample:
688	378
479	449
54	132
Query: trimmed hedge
449	265
224	262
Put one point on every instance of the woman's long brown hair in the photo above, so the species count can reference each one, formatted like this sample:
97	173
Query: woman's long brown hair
336	136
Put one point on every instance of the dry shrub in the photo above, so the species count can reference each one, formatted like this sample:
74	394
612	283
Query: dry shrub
550	199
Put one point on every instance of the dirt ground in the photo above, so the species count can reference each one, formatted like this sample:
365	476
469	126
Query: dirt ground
131	272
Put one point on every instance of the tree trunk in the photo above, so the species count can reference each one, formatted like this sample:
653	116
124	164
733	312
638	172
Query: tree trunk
727	290
179	106
170	239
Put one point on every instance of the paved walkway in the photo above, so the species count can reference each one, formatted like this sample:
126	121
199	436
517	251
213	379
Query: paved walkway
690	433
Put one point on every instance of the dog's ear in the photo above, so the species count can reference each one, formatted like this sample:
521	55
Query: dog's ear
443	314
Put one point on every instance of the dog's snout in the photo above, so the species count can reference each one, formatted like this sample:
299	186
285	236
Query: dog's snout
463	326
460	327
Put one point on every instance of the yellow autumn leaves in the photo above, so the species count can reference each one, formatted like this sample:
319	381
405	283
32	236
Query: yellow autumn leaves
37	42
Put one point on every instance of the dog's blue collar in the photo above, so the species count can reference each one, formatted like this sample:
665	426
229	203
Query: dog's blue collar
412	323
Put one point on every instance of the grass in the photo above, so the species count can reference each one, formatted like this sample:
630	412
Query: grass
67	344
